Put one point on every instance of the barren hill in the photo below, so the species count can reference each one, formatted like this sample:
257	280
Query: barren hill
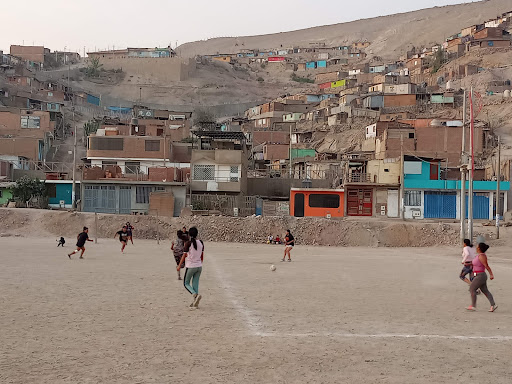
390	35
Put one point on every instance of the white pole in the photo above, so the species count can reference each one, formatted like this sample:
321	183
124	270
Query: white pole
472	168
73	191
402	176
498	191
463	174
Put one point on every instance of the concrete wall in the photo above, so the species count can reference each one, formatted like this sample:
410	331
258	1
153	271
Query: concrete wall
162	69
384	171
5	195
278	187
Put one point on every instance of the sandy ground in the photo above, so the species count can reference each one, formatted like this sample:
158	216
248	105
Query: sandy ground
354	315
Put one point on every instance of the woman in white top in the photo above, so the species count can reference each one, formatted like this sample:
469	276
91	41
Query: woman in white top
193	254
468	254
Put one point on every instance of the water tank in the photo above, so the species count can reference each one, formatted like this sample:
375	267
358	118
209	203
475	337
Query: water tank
449	84
134	121
506	93
307	183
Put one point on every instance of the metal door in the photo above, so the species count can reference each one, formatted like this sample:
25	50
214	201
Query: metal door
259	206
392	203
298	207
440	205
125	200
359	202
480	206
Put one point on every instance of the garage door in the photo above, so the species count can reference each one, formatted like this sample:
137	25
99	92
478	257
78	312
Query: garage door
440	205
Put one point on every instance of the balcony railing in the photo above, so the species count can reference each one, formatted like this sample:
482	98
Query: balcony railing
359	178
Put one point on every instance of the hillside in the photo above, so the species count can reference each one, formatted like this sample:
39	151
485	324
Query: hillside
213	84
390	35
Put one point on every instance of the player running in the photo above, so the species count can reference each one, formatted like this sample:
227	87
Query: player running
123	237
480	264
468	254
193	258
129	229
178	247
80	244
289	242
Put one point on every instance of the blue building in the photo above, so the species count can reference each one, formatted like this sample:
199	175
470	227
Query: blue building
60	192
427	196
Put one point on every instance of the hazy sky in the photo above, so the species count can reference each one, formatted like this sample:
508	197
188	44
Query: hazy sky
105	23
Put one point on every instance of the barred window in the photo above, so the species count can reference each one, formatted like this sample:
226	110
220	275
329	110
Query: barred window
142	195
412	198
204	172
152	145
106	143
233	173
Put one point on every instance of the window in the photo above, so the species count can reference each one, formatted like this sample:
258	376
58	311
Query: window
412	198
106	143
204	172
159	189
50	94
31	122
324	201
411	135
233	174
1	193
142	195
51	189
152	145
132	167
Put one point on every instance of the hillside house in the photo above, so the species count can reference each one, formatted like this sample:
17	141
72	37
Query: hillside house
219	164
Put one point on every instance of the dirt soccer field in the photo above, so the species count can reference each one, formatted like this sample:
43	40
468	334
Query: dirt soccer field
333	315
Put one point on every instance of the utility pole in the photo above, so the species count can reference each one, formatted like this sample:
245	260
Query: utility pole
291	169
498	191
472	169
402	177
463	174
73	191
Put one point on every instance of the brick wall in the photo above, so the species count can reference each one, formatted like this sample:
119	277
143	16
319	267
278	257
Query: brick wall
275	152
278	137
26	52
10	123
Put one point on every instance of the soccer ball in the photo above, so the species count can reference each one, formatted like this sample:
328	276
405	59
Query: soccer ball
272	267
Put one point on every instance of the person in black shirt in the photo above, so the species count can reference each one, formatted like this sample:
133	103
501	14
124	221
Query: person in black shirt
123	237
289	242
80	244
129	229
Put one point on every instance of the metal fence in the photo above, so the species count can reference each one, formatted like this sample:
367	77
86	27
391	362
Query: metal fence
228	205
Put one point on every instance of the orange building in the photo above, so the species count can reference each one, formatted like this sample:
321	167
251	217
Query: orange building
313	202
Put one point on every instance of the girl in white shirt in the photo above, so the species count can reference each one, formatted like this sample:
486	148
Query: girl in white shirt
193	258
468	254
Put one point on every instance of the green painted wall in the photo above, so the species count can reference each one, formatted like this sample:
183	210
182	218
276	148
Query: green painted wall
303	153
6	195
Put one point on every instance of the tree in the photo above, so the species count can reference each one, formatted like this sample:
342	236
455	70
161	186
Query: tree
94	68
204	118
27	188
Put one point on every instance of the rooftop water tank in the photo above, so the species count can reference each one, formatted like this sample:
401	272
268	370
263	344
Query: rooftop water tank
506	93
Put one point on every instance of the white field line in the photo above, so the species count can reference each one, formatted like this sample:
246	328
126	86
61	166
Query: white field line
254	324
250	319
383	336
